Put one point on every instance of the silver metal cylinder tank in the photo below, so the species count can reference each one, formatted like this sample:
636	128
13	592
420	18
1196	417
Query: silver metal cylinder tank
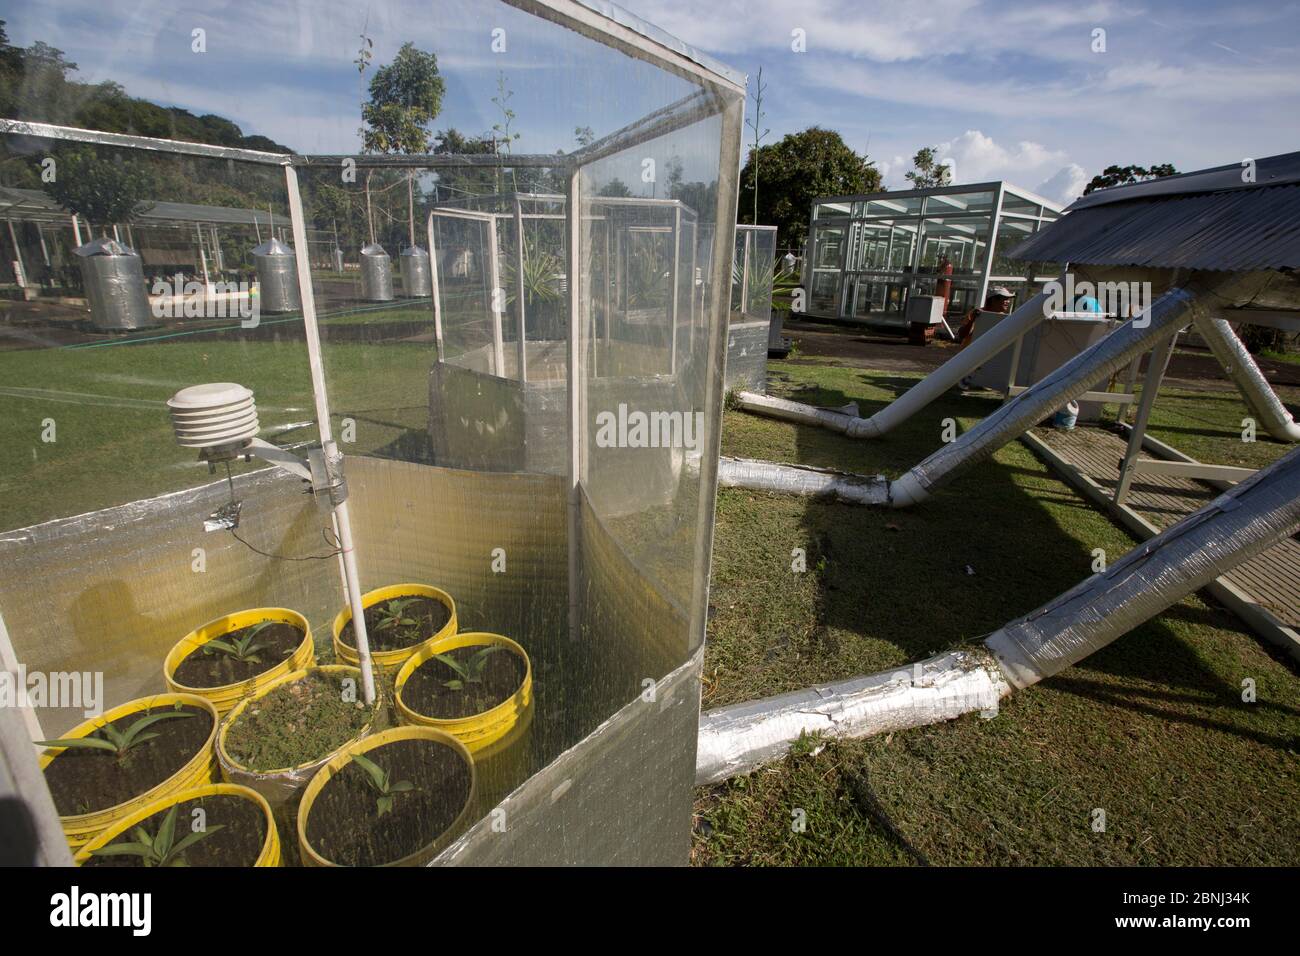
277	277
416	281
113	274
376	274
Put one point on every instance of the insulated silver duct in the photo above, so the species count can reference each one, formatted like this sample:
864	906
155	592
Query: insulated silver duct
416	279
1252	517
980	351
1249	518
376	274
782	408
277	277
1069	381
738	739
1241	367
801	480
113	274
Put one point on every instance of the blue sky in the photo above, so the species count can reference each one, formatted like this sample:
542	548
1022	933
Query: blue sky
1006	90
1015	90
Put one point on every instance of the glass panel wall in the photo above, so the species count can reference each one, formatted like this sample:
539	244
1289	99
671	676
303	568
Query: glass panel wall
870	254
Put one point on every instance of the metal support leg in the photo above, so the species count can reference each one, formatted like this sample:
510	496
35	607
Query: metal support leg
1160	356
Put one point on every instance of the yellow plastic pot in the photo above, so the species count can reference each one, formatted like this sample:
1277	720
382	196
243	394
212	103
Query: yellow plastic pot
227	695
269	855
391	660
480	730
281	787
336	763
81	828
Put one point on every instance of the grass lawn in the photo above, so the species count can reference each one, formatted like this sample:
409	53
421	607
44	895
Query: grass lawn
113	437
1152	730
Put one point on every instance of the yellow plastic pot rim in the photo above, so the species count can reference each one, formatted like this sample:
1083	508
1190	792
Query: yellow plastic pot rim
344	756
219	627
270	844
289	678
391	591
516	702
87	727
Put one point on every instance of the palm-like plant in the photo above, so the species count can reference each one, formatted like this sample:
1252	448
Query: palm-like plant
381	781
243	649
471	672
118	742
161	848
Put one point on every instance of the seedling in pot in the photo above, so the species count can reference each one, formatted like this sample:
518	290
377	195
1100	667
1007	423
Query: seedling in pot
394	615
160	849
471	672
243	649
118	742
379	780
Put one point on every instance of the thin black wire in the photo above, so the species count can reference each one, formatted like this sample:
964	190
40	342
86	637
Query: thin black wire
290	557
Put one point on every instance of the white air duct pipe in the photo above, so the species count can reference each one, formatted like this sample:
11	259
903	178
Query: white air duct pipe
979	352
1240	524
801	480
1242	368
1106	357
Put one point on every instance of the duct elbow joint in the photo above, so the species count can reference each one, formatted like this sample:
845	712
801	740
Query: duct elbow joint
907	491
863	428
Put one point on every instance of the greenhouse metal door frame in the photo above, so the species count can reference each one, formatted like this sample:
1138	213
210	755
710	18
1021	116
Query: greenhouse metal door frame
494	291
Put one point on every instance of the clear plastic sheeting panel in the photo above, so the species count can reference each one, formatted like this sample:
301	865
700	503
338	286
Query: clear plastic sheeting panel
753	271
483	321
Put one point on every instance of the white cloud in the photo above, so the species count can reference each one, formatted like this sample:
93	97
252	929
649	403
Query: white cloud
1065	185
976	157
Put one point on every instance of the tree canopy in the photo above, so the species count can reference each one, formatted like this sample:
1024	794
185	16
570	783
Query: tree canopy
928	172
405	98
795	171
1124	175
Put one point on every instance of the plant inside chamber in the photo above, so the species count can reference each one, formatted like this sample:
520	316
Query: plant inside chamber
383	784
120	742
160	848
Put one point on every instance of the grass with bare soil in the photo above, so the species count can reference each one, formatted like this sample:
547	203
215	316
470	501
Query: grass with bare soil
1152	730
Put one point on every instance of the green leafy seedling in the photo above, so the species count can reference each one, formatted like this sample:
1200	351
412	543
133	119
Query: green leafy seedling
379	779
161	848
244	649
471	672
118	742
394	615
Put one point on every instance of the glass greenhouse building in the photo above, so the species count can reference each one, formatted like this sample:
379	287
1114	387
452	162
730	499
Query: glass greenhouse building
868	254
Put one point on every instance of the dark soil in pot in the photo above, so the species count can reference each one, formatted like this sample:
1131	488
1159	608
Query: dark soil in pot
430	689
298	722
237	843
345	825
85	781
392	628
208	667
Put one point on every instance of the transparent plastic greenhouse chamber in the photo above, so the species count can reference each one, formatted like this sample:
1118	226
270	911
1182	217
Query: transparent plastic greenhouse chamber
398	398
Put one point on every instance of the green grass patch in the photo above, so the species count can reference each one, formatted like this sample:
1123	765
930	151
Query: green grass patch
1152	730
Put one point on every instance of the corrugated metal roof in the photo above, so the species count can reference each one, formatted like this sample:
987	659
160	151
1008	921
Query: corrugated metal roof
1234	230
1270	171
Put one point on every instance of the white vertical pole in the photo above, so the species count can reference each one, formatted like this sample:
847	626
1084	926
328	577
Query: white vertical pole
576	381
347	553
519	287
494	300
677	262
433	285
76	232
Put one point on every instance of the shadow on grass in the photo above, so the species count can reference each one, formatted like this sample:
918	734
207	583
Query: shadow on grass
1002	539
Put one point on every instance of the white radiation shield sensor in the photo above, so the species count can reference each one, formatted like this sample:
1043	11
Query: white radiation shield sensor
213	416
